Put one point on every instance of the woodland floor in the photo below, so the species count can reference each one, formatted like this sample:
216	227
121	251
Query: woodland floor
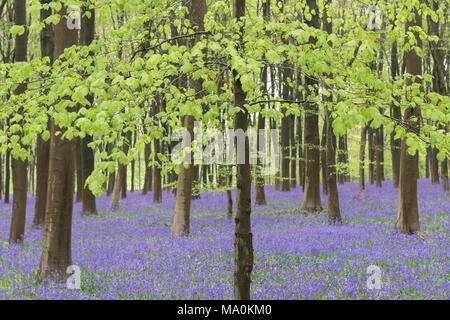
129	254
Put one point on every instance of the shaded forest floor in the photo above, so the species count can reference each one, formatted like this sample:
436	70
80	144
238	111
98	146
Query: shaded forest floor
129	254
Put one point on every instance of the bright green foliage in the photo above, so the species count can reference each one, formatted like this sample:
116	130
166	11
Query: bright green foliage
136	66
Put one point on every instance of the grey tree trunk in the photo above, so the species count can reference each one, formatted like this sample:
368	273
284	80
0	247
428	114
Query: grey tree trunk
56	246
408	211
20	179
243	243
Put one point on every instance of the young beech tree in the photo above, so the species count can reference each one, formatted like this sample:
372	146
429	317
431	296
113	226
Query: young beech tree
334	212
57	239
243	243
311	199
181	217
43	146
260	195
408	211
87	34
20	179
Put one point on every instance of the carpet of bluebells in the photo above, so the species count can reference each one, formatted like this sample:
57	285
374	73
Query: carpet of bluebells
129	253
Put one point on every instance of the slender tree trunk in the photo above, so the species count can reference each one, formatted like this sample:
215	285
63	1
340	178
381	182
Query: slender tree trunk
444	175
371	154
114	202
120	175
408	212
229	197
434	166
79	170
379	154
323	157
439	86
243	243
133	164
7	174
285	184
396	113
148	169
311	199
43	147
181	219
300	151
157	188
260	195
427	162
341	159
362	156
42	154
293	151
334	212
56	247
87	35
88	198
20	181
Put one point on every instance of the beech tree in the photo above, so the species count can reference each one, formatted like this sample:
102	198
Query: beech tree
20	179
311	199
243	241
408	212
181	217
57	239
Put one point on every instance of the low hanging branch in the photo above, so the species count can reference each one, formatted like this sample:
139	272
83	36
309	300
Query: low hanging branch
146	49
277	101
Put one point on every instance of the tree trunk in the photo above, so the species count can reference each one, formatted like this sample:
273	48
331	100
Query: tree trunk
43	147
371	152
157	188
285	184
379	154
260	195
20	179
87	35
300	152
311	200
7	174
181	219
334	212
243	243
56	247
444	175
396	113
88	198
133	164
408	212
148	170
434	166
362	156
79	170
323	157
293	150
120	175
440	86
